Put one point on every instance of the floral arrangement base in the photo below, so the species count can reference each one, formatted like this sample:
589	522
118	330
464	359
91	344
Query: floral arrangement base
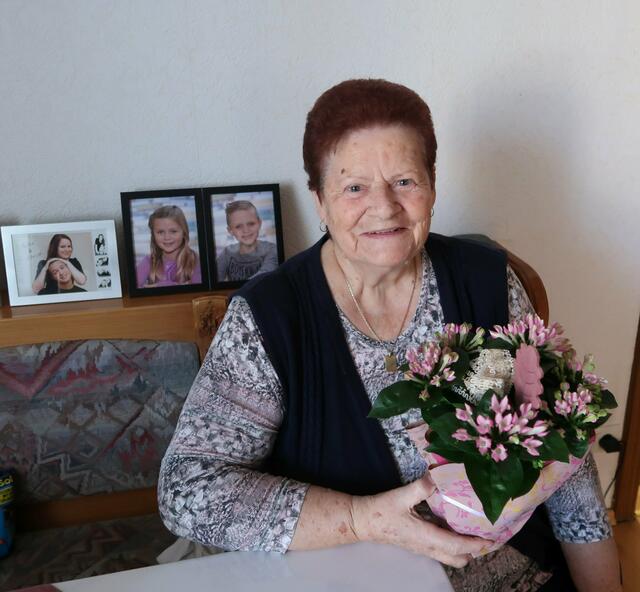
456	502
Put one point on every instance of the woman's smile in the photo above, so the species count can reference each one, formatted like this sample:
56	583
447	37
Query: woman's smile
385	233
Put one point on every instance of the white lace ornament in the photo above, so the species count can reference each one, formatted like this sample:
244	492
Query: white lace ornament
492	369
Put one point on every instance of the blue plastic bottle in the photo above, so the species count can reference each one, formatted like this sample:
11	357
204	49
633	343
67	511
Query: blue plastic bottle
7	524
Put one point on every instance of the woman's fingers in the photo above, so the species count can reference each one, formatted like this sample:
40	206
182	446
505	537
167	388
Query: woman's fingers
390	518
450	543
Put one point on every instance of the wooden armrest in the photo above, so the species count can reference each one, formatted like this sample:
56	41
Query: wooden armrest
86	508
208	312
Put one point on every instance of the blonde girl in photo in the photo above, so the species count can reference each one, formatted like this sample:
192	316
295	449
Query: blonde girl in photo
171	261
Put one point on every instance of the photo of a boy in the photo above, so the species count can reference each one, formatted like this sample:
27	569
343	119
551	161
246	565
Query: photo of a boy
250	256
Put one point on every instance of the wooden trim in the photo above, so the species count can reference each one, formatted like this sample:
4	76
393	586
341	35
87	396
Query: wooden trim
626	490
154	317
86	508
208	312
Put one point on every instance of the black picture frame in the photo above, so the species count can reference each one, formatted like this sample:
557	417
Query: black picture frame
266	200
136	206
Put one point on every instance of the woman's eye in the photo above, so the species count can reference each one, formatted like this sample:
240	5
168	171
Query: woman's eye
404	182
354	188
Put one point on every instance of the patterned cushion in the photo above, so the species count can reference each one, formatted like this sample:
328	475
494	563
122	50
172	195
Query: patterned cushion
85	417
60	554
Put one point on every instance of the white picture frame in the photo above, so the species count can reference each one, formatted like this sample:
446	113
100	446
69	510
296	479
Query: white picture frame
84	260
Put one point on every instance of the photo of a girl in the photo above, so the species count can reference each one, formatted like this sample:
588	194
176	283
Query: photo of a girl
171	260
63	277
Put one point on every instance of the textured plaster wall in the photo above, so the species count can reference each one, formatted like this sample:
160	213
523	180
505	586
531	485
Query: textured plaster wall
536	106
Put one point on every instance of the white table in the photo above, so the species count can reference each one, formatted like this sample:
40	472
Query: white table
363	567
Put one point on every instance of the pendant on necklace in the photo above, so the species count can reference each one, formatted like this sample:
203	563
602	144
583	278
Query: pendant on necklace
391	362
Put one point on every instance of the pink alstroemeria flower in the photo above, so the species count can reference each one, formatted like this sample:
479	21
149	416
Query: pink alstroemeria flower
484	424
499	453
483	444
499	405
531	445
462	435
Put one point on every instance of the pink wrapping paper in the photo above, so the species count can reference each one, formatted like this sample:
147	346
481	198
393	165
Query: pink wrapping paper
456	502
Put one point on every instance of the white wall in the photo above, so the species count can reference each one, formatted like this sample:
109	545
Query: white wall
536	106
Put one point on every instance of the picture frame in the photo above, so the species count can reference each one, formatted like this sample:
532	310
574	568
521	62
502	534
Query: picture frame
254	245
61	262
167	265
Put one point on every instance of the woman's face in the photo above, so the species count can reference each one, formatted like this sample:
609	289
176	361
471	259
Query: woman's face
168	235
377	196
65	248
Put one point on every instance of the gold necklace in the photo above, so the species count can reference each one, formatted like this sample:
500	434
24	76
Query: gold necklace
390	360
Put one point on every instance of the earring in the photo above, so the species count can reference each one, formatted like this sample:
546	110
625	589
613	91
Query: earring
433	211
322	226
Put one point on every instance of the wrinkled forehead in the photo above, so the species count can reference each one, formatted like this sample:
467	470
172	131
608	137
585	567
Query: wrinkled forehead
394	147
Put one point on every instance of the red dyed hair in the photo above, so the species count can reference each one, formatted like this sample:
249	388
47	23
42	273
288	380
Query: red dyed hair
357	104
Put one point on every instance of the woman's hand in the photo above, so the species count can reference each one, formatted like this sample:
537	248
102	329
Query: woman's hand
41	277
50	261
390	518
78	277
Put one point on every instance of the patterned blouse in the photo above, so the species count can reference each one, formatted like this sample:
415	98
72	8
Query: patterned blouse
211	488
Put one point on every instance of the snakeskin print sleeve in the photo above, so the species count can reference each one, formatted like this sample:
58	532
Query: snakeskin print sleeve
576	511
211	489
519	304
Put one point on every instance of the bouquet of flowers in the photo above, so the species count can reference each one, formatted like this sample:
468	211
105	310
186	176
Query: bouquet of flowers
508	416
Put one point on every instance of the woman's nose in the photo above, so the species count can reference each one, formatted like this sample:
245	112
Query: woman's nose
383	200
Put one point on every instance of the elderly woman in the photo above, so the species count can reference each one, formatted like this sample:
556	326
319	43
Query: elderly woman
273	450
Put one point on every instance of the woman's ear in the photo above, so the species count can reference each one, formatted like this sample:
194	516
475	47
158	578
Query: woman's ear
320	206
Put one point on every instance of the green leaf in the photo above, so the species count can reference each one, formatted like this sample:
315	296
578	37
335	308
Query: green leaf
452	397
462	365
497	343
529	477
432	412
396	399
607	400
445	425
484	404
451	454
600	421
576	446
553	447
548	361
494	482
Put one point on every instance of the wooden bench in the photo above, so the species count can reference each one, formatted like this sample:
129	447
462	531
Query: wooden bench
86	495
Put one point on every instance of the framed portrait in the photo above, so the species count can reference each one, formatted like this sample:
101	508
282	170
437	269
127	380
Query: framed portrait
66	262
245	232
165	241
